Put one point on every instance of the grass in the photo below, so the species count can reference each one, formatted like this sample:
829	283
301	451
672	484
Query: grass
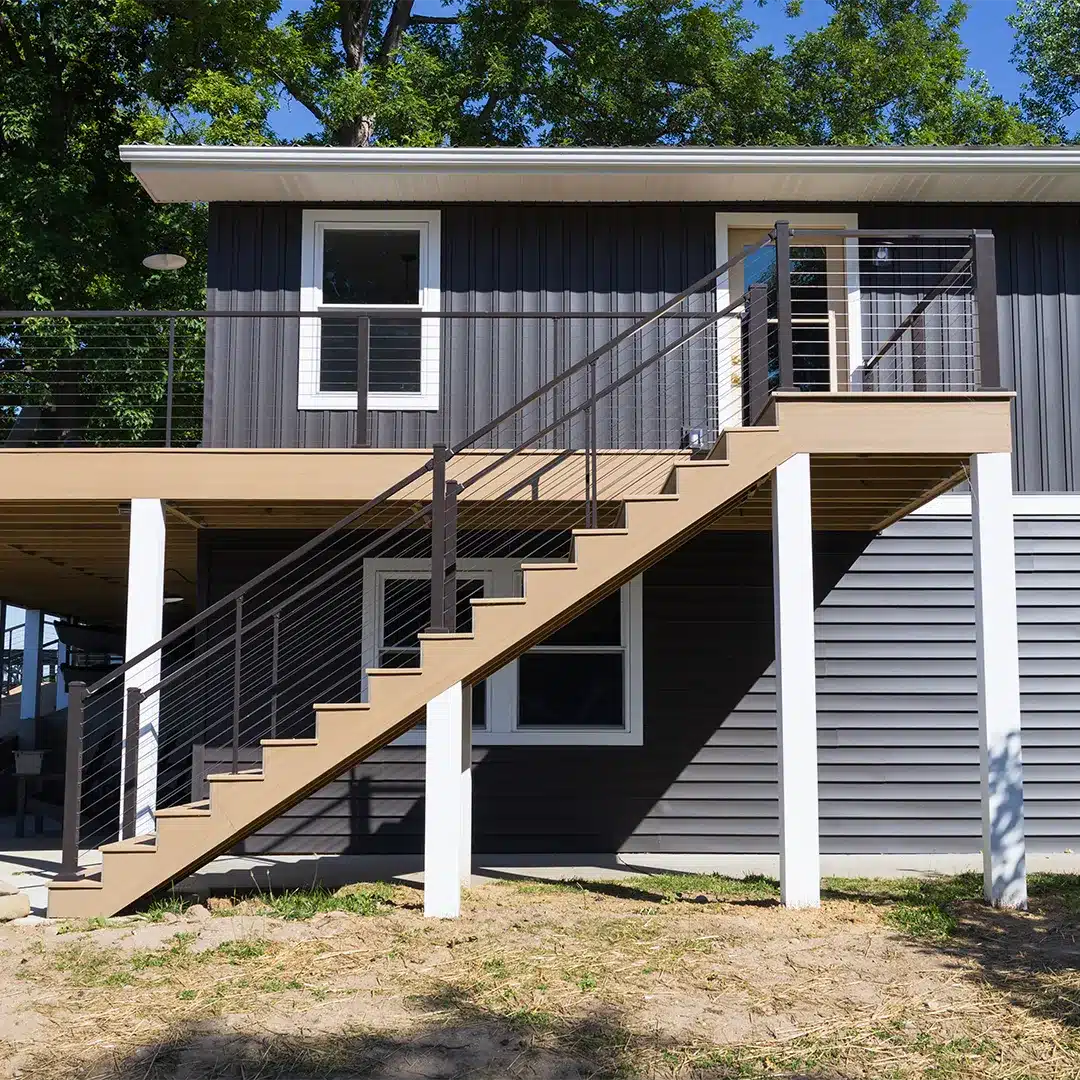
646	976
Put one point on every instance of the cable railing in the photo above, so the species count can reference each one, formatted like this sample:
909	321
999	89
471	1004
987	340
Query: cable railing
813	311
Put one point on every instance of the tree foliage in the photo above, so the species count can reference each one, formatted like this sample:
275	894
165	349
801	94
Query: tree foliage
80	77
1048	51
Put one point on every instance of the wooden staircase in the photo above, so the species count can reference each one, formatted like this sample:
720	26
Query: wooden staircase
696	494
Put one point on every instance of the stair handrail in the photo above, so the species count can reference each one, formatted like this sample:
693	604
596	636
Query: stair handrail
418	473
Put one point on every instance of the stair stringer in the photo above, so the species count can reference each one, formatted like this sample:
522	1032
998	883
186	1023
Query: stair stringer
601	561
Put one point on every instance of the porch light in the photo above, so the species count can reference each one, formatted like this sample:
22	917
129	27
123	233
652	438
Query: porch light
164	260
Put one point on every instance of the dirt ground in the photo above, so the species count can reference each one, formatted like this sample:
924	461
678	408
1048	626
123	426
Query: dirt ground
656	977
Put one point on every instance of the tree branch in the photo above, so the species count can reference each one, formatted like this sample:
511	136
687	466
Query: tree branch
436	20
295	91
400	17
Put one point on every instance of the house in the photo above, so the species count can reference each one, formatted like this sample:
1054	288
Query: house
558	501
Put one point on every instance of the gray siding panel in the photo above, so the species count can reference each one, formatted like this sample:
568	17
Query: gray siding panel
898	729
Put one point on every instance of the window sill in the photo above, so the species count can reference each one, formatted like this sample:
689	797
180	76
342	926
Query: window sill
346	402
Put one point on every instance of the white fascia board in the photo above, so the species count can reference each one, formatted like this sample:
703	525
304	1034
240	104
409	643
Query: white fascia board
588	174
633	159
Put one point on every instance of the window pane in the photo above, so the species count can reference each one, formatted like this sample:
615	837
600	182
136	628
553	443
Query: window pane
479	706
810	350
570	690
337	354
809	295
600	625
406	611
369	266
809	292
467	589
393	356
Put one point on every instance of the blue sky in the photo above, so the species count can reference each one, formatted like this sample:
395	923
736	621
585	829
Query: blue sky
986	33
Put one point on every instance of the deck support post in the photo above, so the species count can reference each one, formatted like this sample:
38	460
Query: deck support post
30	696
145	606
442	805
998	670
796	707
465	792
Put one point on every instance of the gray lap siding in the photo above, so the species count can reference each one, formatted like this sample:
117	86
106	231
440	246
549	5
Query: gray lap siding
897	722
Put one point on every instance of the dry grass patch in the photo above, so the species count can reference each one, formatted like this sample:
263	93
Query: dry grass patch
672	976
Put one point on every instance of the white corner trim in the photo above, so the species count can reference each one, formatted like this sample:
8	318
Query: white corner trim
315	221
1023	505
730	398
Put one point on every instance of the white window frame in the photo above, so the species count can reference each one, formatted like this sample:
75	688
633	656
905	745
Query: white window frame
729	395
427	224
502	577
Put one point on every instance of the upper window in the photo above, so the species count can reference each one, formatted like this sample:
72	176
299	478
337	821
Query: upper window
356	265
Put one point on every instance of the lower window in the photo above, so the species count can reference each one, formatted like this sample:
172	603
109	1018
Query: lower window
582	685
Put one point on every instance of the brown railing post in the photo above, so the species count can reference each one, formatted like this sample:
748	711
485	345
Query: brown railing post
275	645
757	360
989	375
169	380
438	540
592	508
238	643
784	340
450	557
132	703
73	759
363	365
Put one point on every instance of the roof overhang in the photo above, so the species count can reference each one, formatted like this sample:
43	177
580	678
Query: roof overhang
671	174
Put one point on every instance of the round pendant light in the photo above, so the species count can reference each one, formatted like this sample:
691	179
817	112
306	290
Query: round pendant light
164	260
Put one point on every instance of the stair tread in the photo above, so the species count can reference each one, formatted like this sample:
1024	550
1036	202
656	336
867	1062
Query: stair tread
288	742
195	809
427	636
549	566
599	532
662	498
496	601
137	844
246	774
340	706
91	881
396	671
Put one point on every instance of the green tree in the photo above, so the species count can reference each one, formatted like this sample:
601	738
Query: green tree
894	71
75	225
572	72
1047	50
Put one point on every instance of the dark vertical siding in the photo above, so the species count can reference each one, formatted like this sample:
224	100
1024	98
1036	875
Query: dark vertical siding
494	258
526	258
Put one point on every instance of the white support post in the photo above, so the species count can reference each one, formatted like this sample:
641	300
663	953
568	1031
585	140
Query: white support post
30	697
465	794
998	666
796	707
442	805
145	606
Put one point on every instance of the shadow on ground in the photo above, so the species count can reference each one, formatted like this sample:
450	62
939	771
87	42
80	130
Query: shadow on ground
469	1041
1032	957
